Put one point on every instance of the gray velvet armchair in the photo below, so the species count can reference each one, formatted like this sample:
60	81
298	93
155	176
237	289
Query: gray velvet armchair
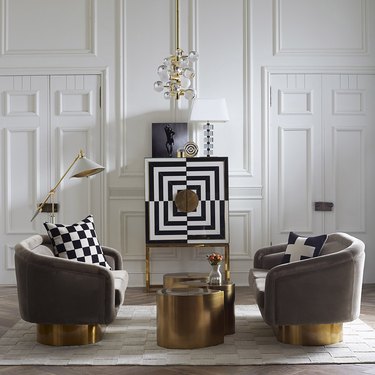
68	300
307	301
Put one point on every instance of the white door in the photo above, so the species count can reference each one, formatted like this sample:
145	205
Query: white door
322	149
44	122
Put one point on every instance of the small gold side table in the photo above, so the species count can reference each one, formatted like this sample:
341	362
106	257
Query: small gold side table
189	318
200	280
229	290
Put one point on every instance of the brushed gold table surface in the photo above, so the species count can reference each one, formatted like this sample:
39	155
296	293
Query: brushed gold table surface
179	279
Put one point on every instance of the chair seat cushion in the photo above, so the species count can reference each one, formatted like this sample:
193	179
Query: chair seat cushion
257	277
121	283
259	273
300	248
77	242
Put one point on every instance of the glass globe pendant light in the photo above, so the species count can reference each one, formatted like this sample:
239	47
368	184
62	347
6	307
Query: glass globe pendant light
176	72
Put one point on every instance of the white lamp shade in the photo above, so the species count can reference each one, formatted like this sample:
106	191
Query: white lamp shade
209	110
85	167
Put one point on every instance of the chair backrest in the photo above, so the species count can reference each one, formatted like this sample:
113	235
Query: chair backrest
337	242
38	244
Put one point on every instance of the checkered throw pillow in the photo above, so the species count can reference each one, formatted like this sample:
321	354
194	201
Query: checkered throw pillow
300	248
77	241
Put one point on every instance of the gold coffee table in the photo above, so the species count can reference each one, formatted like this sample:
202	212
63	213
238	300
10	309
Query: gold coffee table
189	318
200	280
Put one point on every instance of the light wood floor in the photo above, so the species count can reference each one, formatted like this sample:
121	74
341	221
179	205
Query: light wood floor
137	296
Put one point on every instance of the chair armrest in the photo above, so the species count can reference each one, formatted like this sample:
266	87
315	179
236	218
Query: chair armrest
113	257
269	257
321	290
54	290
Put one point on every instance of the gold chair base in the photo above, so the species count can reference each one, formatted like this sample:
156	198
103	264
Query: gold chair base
309	334
68	334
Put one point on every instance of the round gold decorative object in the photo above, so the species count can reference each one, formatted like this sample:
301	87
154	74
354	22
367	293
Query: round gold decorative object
189	318
186	200
191	149
309	334
68	334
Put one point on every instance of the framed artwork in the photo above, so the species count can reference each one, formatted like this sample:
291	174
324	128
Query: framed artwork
167	138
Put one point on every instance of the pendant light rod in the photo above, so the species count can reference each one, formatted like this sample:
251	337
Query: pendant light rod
177	24
176	72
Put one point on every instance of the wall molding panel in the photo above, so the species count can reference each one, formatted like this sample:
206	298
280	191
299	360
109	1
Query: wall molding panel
130	233
350	213
9	258
29	100
330	37
21	38
64	139
242	227
18	196
294	195
349	102
67	107
289	99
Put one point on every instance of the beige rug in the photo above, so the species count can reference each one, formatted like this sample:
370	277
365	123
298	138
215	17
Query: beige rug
131	340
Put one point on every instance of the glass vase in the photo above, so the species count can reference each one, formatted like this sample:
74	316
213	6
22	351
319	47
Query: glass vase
215	277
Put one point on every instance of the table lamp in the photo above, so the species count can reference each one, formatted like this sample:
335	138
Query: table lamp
83	168
209	110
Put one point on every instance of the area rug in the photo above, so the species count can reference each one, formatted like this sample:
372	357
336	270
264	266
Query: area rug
131	340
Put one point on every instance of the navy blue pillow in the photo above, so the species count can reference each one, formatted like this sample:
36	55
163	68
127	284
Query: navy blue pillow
300	248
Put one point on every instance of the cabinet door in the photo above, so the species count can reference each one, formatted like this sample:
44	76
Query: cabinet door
295	154
187	200
23	159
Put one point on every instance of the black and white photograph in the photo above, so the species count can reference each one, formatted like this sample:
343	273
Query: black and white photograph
167	138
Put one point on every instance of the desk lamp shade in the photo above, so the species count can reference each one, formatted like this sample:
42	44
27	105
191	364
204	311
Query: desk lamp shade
85	167
209	110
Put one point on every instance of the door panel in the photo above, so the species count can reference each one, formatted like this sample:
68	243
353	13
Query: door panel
295	155
23	131
349	156
322	148
75	124
44	122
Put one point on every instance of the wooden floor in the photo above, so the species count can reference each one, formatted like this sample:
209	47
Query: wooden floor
137	296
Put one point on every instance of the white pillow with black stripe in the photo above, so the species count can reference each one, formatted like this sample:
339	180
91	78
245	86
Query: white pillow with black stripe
300	248
77	241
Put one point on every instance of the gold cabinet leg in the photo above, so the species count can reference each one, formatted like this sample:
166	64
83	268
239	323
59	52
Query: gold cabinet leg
147	268
227	262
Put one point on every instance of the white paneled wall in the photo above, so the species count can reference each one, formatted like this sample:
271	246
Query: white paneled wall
240	42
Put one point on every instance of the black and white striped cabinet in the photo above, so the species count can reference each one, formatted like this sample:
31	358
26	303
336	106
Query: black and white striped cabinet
187	205
187	200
